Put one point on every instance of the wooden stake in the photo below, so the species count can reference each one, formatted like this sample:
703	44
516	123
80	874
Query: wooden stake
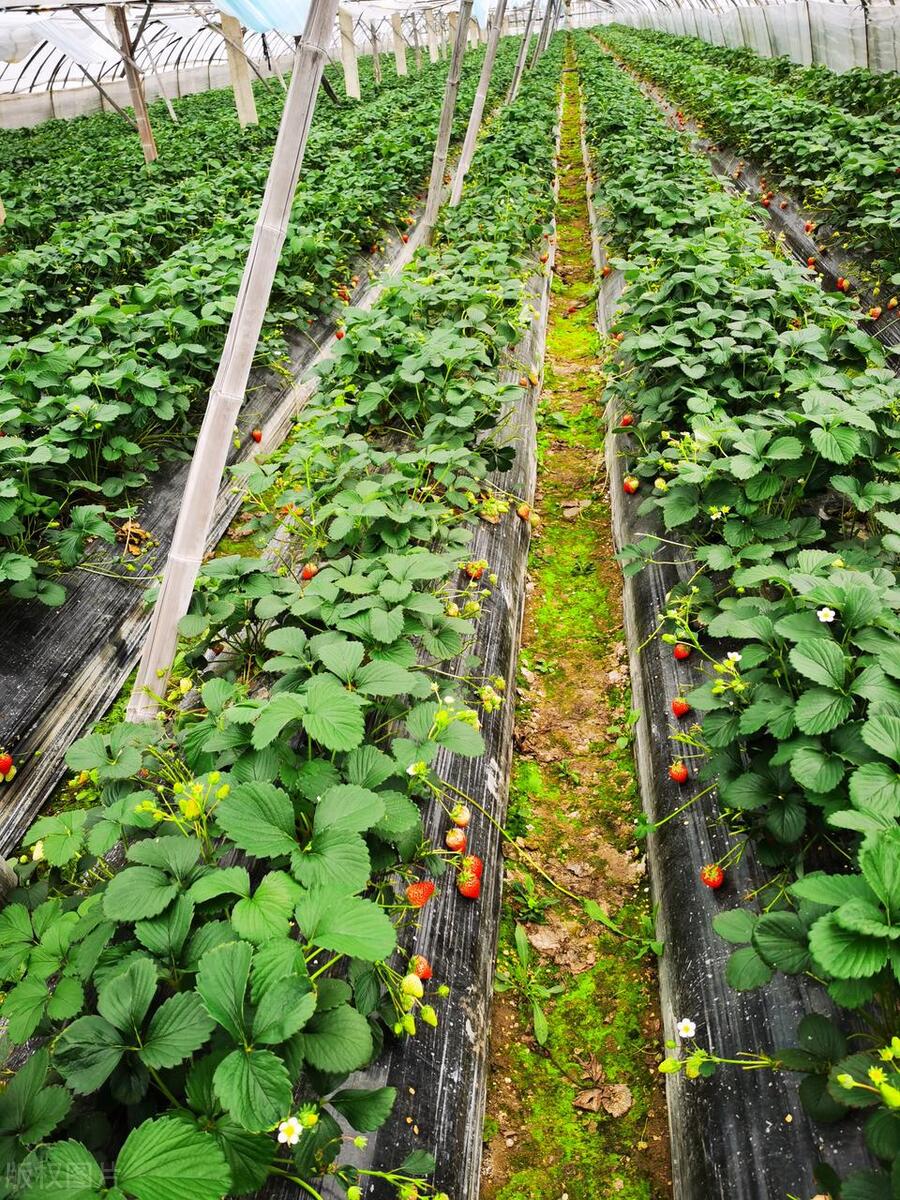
523	51
431	30
135	84
542	36
477	113
230	385
376	60
416	42
442	145
244	100
348	54
399	43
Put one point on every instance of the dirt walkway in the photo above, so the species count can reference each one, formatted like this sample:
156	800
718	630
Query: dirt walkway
575	1105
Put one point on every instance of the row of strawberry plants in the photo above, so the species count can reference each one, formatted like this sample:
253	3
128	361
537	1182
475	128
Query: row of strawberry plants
844	168
859	90
41	283
90	406
234	963
762	420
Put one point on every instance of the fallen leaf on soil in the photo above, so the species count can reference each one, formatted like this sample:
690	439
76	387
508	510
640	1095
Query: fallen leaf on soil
613	1098
544	939
574	508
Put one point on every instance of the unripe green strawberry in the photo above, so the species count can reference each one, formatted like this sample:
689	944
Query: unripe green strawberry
428	1015
411	985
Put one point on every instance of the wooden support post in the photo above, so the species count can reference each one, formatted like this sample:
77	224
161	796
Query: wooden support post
442	145
431	29
376	60
477	113
230	385
244	100
2	213
348	55
399	43
135	83
523	51
416	42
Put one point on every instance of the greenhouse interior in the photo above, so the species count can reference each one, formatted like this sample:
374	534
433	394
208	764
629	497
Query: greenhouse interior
449	534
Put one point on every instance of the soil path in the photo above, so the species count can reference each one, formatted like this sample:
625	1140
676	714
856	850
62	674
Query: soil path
575	1104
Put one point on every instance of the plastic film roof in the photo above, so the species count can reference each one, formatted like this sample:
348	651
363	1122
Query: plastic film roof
51	46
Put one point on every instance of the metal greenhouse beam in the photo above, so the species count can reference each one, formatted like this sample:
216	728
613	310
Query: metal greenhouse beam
135	84
523	52
442	144
244	100
230	385
477	113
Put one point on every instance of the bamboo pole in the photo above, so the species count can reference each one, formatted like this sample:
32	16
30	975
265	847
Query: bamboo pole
432	34
135	84
523	51
230	385
348	54
416	43
442	145
542	36
156	75
376	60
244	100
477	113
399	43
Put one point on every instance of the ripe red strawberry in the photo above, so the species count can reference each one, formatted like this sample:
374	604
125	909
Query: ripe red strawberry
680	706
455	840
712	875
627	419
681	651
256	434
630	484
6	765
309	571
606	271
474	570
545	258
875	313
469	886
765	202
472	865
404	237
810	262
678	772
420	892
419	965
809	226
339	334
524	511
460	815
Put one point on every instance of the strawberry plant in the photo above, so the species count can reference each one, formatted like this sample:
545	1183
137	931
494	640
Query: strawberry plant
239	952
767	423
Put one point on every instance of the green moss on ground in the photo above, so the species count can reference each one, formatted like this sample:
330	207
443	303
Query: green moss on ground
573	801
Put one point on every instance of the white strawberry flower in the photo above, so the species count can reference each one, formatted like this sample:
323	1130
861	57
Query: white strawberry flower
733	656
685	1028
37	850
826	615
289	1131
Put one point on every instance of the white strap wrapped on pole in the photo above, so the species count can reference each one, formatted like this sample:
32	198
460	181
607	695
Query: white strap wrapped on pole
346	23
477	113
442	145
238	70
399	43
230	385
523	51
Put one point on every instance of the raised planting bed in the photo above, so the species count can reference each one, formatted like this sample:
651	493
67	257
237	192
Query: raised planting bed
245	952
741	560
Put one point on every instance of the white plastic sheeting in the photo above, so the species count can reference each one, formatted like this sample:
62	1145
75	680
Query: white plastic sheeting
838	35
